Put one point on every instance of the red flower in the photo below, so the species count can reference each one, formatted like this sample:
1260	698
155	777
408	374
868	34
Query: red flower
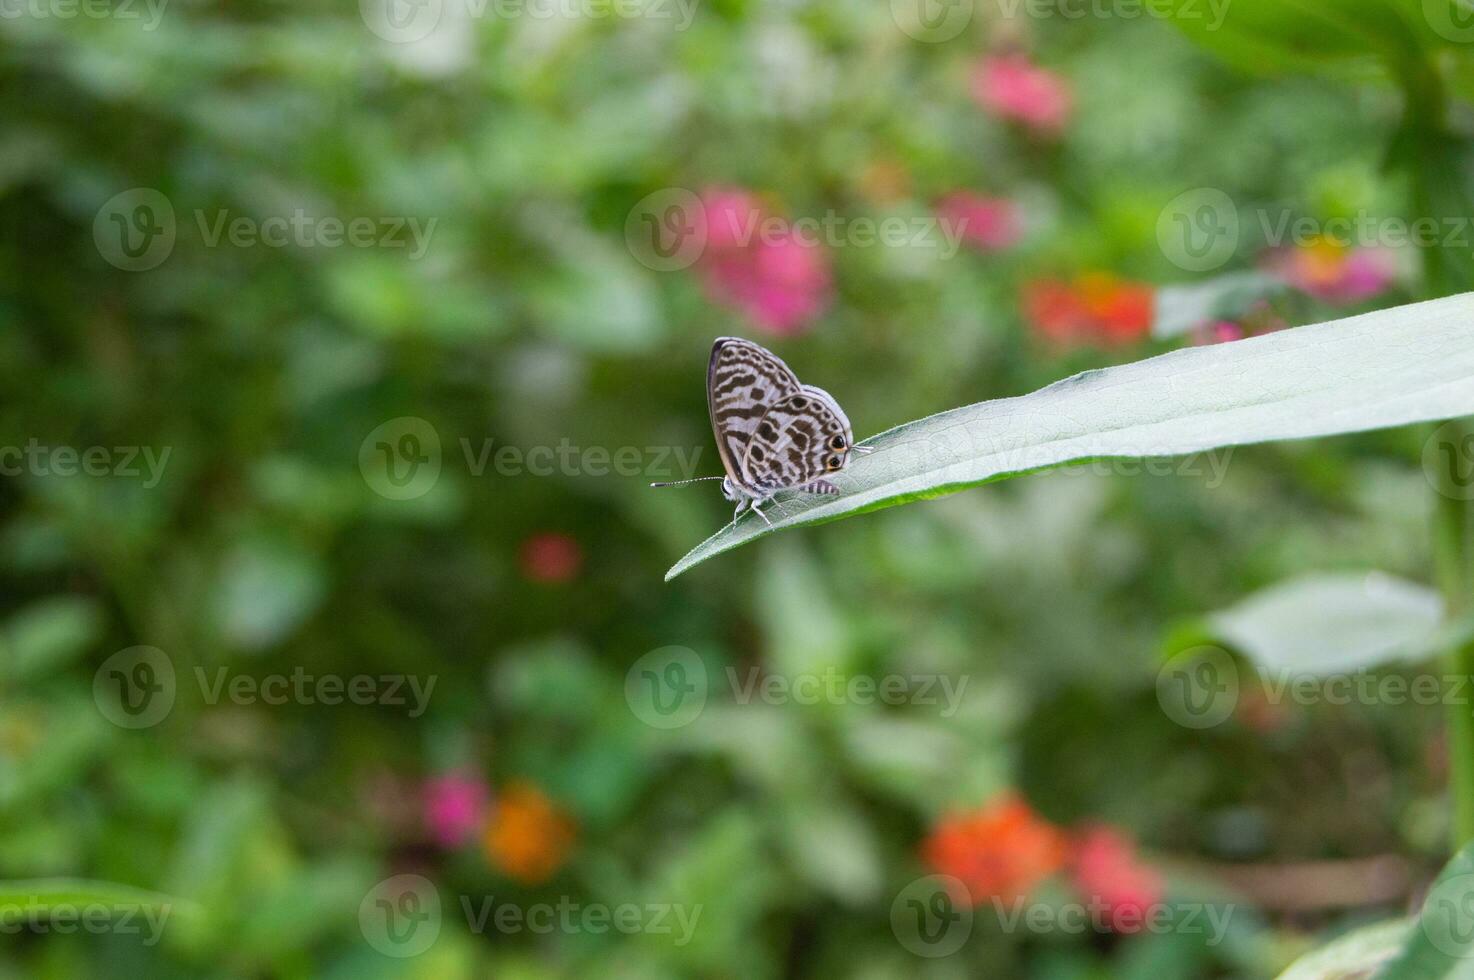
550	557
1107	871
1012	87
1000	851
988	224
1097	308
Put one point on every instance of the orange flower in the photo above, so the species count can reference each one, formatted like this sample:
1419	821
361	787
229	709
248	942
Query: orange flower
528	836
1000	851
1096	308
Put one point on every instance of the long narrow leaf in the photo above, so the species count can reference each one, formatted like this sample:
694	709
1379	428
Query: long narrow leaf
1442	943
1411	363
39	896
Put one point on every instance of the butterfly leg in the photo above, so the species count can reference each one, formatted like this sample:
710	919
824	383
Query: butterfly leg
755	510
820	486
741	506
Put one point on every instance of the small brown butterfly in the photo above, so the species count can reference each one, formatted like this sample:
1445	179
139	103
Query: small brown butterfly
772	432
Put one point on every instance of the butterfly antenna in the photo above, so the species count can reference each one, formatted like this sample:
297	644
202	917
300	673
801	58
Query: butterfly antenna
679	483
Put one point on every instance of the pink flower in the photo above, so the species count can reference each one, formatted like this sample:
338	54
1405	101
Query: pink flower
1012	87
1334	273
732	215
988	224
1107	871
761	268
1217	332
454	806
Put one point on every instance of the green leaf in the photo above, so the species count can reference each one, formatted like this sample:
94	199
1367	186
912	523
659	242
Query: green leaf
48	634
1354	955
1442	944
1304	35
1407	364
42	896
830	846
1327	624
266	589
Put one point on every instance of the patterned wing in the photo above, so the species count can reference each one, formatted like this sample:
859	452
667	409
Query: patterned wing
743	383
802	438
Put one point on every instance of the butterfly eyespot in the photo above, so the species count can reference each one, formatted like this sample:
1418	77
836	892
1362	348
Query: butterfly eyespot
837	443
833	462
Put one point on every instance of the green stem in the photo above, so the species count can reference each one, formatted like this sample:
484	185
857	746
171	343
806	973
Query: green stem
1454	552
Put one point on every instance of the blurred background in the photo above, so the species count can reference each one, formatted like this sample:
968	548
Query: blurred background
341	343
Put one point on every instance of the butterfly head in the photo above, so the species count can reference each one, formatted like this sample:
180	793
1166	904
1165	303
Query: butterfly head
730	491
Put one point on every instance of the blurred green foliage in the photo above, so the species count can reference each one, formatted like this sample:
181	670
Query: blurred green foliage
264	549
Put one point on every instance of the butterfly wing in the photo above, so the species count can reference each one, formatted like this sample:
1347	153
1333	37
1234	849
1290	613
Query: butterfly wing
744	382
798	441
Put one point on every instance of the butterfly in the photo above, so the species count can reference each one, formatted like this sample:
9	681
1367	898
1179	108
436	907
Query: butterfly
772	432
